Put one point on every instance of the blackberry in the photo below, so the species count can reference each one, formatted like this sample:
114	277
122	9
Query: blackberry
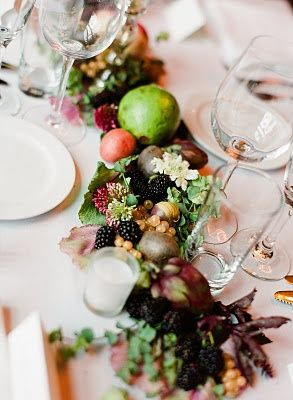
136	300
138	183
188	347
157	189
211	360
105	97
105	237
130	230
153	311
177	322
190	376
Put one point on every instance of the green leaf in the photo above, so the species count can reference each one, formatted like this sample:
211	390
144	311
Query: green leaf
131	200
148	358
101	176
151	371
171	375
219	390
88	213
67	352
120	166
145	348
134	352
162	36
132	367
124	374
87	334
169	340
112	337
55	336
147	333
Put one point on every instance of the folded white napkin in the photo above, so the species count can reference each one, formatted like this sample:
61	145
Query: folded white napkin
27	367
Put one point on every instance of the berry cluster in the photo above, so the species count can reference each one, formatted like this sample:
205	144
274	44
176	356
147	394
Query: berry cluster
155	190
234	382
198	363
129	234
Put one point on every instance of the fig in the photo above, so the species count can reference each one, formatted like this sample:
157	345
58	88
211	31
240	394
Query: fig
196	157
158	247
145	158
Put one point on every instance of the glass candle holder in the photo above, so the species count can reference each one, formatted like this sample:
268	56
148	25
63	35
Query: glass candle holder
112	276
251	200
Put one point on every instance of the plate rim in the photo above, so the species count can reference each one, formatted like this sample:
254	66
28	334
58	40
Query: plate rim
41	135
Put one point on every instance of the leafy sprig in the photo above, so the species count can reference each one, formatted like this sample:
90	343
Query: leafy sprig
81	343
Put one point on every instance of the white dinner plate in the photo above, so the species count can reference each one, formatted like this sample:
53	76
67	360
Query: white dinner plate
197	119
36	171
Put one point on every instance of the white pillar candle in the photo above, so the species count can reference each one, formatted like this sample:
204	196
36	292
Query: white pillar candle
111	279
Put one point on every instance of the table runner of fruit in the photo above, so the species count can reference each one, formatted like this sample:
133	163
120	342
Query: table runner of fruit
147	203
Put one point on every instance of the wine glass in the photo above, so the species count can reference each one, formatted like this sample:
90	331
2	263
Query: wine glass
268	260
13	16
217	262
251	116
77	29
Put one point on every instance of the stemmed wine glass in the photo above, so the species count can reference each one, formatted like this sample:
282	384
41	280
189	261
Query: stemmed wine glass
268	260
252	115
13	16
77	29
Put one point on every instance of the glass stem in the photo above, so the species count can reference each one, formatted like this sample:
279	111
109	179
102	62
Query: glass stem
231	168
267	244
55	116
2	51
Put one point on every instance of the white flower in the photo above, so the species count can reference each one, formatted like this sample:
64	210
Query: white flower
159	165
178	169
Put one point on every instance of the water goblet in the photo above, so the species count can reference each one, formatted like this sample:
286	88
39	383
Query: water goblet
13	16
251	115
216	261
267	259
76	29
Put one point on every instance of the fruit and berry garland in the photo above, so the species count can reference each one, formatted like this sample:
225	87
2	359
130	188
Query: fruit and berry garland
148	203
175	351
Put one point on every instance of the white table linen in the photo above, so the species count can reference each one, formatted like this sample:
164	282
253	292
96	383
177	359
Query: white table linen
35	275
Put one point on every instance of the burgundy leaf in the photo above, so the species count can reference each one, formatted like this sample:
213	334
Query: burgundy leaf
241	315
262	323
210	322
242	360
261	338
79	244
256	354
244	302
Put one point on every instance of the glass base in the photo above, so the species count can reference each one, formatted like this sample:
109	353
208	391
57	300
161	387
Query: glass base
9	101
213	267
270	267
100	313
68	132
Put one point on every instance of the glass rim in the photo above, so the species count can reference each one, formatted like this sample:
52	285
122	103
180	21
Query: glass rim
251	47
113	249
261	173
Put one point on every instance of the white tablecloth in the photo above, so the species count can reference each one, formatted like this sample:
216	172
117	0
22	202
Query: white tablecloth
35	275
